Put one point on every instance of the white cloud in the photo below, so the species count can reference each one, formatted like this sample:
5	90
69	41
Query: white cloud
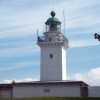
29	79
83	43
22	80
19	51
25	23
7	81
78	76
68	78
18	66
94	74
92	77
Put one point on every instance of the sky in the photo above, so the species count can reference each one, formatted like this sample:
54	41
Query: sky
19	53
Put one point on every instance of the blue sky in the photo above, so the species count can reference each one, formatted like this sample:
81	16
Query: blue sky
19	54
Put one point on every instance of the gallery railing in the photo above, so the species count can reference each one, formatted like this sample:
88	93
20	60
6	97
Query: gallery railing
43	39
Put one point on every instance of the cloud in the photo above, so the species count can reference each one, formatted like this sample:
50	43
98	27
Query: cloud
18	51
92	77
78	76
94	74
26	21
18	66
83	43
22	80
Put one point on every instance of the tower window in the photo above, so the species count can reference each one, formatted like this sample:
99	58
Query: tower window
53	27
51	55
50	39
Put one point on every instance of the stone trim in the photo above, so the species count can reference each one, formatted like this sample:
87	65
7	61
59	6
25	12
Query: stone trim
53	44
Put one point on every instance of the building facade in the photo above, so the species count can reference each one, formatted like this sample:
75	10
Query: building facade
50	89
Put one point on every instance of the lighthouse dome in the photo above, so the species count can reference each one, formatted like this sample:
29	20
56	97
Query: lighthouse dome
53	18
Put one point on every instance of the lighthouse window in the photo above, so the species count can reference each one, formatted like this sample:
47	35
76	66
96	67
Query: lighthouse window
47	28
53	27
50	39
51	55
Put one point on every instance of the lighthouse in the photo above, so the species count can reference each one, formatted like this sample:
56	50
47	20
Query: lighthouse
53	83
53	45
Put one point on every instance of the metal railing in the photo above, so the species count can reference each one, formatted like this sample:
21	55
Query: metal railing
43	39
65	39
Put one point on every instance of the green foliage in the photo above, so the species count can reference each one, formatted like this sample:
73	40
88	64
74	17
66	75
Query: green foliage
56	98
97	36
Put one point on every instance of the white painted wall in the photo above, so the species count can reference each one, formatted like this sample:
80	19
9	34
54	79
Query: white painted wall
63	63
38	91
94	91
53	69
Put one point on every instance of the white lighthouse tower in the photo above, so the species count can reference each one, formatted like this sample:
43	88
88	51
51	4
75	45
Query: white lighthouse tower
53	46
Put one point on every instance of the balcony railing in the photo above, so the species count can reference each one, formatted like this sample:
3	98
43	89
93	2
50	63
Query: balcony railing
43	39
65	39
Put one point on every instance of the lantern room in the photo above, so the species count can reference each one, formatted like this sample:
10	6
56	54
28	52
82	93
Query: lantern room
53	24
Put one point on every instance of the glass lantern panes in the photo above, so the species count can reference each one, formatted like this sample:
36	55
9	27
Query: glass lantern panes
53	27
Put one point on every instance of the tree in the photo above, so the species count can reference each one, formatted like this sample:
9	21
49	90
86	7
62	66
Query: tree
97	36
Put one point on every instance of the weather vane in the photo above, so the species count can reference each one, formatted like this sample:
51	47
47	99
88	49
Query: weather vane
97	36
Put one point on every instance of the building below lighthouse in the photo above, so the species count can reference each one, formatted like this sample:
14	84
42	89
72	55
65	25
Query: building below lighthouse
53	82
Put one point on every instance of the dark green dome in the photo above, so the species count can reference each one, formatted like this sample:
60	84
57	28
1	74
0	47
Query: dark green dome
53	19
53	13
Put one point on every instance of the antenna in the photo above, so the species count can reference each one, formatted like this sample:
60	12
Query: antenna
64	21
43	28
37	34
52	4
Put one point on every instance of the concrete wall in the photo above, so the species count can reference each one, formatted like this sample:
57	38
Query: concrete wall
93	91
5	93
46	91
53	69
